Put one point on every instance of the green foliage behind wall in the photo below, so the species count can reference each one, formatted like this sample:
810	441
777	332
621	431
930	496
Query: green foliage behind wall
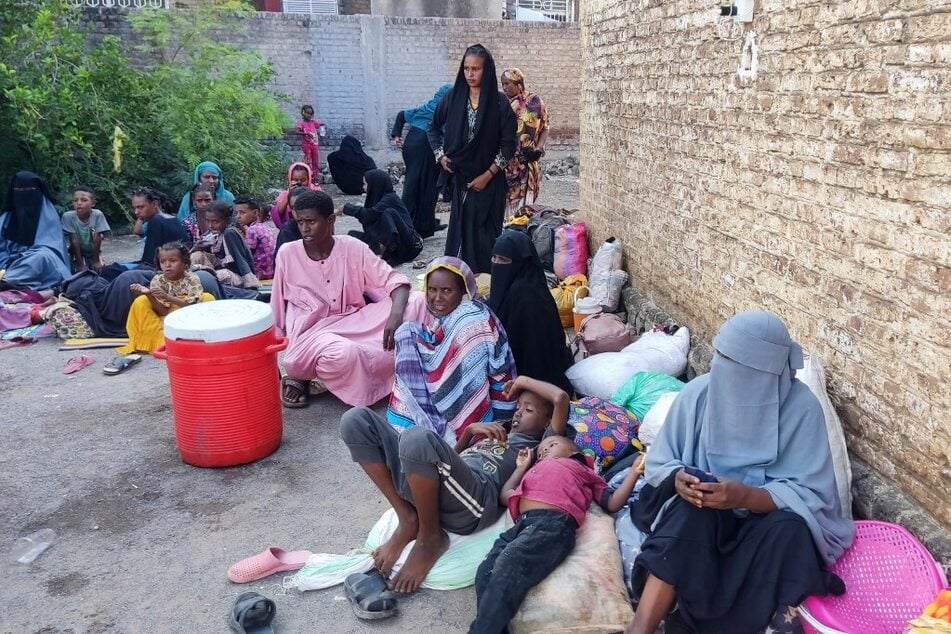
81	114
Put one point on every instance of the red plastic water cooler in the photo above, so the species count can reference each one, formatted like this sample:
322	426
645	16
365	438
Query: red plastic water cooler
222	368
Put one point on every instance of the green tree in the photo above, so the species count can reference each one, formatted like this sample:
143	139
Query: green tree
63	103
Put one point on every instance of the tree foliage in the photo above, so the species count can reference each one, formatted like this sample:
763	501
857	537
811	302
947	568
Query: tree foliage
83	110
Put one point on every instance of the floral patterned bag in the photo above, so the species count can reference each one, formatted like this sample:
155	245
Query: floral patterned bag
66	320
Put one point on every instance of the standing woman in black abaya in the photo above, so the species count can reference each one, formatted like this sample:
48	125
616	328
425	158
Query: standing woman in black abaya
478	141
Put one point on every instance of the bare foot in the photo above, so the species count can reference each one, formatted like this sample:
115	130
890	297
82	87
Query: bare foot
389	552
421	559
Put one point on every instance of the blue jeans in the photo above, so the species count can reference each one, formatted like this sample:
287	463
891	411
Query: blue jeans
519	560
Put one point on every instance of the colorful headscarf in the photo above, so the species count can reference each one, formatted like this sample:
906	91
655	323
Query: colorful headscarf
185	207
457	266
514	75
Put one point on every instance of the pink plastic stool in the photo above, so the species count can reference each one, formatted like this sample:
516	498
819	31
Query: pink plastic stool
890	577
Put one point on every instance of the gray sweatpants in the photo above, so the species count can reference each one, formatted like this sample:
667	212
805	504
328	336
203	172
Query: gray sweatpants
468	499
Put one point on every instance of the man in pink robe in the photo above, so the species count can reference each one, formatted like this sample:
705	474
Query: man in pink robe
334	335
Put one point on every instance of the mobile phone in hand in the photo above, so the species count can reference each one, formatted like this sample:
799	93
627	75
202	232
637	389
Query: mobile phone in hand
703	475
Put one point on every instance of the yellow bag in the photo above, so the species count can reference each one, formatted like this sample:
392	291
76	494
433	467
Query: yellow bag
564	295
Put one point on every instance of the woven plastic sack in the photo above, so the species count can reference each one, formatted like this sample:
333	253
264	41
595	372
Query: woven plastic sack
571	250
640	393
655	417
660	352
455	569
586	593
606	288
564	295
602	375
814	377
606	275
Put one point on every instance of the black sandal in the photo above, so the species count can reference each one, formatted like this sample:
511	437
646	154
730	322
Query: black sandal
120	364
369	596
252	614
301	386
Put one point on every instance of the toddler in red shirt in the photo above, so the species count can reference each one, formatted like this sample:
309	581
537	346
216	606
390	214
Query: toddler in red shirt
548	500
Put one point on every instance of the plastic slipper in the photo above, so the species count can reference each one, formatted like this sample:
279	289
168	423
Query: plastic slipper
419	264
267	563
252	613
121	364
369	596
77	363
316	388
301	386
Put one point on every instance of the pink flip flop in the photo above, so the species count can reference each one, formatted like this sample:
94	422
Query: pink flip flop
266	563
77	363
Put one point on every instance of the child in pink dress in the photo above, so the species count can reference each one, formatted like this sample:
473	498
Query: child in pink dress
308	127
260	239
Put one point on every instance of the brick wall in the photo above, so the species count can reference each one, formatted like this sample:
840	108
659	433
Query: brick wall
358	71
819	190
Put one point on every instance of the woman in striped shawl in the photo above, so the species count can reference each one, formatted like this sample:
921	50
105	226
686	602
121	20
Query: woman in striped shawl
452	373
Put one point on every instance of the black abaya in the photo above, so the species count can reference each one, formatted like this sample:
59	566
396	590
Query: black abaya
520	298
730	572
419	187
348	165
476	219
387	227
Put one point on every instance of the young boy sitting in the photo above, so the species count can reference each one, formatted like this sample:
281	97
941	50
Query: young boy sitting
84	227
548	500
436	488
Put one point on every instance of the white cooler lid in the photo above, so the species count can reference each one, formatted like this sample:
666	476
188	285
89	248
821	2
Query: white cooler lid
220	320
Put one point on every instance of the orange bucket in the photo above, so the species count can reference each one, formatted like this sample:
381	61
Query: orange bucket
222	369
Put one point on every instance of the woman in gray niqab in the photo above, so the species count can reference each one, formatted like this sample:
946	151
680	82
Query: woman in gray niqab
732	551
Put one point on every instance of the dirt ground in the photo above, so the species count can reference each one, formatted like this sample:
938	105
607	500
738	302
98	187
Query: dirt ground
145	540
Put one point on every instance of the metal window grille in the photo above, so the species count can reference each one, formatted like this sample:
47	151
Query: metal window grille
310	6
560	10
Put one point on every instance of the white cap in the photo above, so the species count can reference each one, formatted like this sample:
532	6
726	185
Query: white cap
221	320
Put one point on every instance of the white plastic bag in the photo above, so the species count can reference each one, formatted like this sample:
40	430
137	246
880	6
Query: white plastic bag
660	352
602	375
814	377
655	417
606	287
606	275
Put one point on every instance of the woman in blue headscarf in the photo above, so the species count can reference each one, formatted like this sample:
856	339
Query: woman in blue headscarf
754	524
32	251
207	173
420	190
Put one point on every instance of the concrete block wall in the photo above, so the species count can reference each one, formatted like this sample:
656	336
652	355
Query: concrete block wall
820	190
358	71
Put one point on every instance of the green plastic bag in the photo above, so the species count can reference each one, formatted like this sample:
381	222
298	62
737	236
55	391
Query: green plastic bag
455	569
643	389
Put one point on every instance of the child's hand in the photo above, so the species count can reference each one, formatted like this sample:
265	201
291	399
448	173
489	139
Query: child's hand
640	464
490	431
512	389
525	458
139	289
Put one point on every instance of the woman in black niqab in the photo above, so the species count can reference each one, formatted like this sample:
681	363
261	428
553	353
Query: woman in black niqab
520	298
348	165
478	142
387	226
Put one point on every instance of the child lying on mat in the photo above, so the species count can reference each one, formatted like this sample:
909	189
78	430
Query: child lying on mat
548	500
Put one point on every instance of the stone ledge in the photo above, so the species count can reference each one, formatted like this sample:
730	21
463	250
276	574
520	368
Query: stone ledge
873	496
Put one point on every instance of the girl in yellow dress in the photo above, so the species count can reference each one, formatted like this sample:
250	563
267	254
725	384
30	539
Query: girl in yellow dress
171	289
